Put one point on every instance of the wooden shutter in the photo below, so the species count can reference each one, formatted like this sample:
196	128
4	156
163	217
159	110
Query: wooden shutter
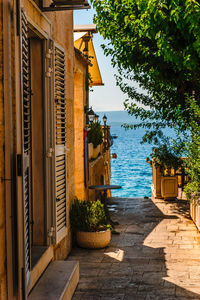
60	144
26	132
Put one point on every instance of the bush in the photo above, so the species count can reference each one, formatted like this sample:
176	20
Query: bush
88	216
95	134
192	189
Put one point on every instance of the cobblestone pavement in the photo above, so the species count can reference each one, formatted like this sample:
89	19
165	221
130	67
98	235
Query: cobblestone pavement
155	256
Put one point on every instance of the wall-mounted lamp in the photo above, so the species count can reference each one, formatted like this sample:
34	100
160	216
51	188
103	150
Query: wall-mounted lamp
105	137
104	120
91	115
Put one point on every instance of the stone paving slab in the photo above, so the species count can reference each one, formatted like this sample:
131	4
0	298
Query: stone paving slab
156	255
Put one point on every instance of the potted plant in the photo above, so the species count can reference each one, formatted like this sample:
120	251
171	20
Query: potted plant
96	138
165	162
90	224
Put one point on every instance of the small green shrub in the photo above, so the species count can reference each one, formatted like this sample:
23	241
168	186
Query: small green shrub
95	134
192	189
88	216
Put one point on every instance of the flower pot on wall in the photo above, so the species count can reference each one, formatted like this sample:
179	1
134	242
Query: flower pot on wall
101	148
169	187
96	151
93	240
90	150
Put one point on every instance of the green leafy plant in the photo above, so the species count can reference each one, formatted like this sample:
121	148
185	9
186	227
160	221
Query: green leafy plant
192	189
166	158
88	216
95	134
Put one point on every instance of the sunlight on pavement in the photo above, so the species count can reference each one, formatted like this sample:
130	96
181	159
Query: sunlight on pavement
118	254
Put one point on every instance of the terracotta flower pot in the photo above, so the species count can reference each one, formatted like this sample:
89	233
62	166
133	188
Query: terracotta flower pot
96	151
90	150
93	240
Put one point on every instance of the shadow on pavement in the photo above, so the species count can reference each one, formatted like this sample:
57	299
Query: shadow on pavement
151	258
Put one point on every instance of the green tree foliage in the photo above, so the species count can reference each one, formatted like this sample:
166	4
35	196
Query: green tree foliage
166	157
157	44
192	145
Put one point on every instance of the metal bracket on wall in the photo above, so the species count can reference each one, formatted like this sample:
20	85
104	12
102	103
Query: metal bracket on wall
51	234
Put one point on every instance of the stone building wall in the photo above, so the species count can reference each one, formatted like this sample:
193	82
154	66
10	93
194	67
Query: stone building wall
98	168
59	27
79	125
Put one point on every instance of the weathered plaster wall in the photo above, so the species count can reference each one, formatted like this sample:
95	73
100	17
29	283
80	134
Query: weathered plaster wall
97	168
3	295
79	125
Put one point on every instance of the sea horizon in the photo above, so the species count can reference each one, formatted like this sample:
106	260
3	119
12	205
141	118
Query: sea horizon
130	169
117	116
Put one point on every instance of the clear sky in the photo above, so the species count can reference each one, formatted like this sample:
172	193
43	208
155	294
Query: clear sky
108	97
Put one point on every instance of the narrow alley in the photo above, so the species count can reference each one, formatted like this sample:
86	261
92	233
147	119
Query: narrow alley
155	256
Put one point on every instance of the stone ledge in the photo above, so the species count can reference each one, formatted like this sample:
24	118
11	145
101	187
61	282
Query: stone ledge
58	282
40	266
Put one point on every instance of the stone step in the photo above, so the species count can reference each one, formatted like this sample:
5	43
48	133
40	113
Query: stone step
45	256
58	282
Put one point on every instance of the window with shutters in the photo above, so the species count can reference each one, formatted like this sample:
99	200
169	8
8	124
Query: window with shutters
60	192
26	108
60	143
35	146
60	105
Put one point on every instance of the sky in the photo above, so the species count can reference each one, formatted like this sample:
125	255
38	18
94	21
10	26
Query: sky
108	97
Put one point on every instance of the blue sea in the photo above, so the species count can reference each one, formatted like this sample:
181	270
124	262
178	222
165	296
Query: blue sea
130	169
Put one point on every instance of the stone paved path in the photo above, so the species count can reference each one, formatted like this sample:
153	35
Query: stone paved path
155	256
